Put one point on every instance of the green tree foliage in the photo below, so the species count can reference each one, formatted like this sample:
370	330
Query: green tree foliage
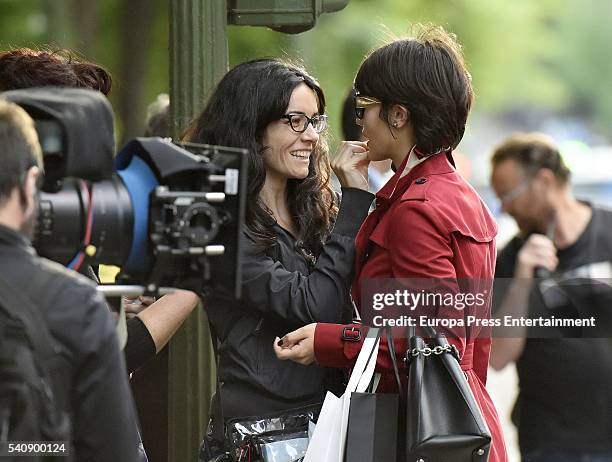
509	47
548	54
22	23
583	59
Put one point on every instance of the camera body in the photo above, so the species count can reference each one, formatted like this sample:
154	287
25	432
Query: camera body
167	214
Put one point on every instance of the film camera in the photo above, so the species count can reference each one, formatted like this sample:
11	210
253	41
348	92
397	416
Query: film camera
168	214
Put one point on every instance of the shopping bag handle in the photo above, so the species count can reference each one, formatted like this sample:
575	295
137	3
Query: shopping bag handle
363	366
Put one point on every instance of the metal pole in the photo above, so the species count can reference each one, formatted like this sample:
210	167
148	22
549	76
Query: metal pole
198	55
198	59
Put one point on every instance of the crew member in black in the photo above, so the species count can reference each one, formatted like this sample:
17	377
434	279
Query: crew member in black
298	249
88	373
564	409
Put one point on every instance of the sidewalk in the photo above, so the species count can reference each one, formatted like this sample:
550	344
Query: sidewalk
503	388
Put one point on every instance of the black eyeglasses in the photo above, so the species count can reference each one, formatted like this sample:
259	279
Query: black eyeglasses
299	122
362	102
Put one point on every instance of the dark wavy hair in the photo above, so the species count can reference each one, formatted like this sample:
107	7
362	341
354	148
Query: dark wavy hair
246	100
27	68
428	76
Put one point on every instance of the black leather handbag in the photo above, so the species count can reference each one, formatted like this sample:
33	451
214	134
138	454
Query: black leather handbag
443	420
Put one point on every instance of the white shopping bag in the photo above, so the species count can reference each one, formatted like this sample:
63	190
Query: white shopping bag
325	440
329	437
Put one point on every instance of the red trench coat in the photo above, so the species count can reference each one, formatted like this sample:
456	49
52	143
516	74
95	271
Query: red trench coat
429	224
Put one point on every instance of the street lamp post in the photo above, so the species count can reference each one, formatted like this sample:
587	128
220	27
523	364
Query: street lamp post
198	59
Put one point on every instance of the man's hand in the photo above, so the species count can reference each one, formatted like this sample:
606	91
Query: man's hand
297	346
539	250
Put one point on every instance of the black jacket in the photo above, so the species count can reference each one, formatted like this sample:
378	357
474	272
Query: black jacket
89	377
282	291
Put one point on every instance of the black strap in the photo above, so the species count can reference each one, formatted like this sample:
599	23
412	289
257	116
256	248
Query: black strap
391	346
392	353
218	430
410	332
429	331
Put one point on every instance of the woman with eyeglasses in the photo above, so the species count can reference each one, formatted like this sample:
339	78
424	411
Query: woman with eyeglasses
298	243
413	97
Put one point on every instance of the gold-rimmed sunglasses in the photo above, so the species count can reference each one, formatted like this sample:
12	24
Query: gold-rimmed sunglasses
362	102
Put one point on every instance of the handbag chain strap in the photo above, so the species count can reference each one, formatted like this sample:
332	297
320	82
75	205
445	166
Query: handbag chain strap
426	350
437	350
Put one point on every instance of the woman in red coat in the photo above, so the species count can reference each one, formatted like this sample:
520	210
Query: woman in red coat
413	98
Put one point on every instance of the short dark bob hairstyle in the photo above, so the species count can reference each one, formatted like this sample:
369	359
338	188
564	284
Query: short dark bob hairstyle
247	99
426	75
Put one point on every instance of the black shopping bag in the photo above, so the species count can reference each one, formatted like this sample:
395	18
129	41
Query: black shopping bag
372	431
372	428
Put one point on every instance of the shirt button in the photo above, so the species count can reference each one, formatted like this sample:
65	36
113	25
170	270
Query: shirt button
421	180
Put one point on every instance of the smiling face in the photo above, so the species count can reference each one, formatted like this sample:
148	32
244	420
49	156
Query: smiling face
288	154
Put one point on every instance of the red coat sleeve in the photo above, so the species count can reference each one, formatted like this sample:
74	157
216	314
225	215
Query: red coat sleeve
332	349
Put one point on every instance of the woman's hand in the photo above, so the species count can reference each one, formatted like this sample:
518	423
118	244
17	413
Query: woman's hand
350	164
297	346
135	304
